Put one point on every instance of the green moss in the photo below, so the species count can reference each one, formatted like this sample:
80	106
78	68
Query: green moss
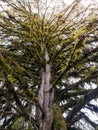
31	95
11	78
18	124
59	122
4	63
80	31
29	126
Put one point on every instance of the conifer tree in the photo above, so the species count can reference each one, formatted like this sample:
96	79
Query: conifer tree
48	65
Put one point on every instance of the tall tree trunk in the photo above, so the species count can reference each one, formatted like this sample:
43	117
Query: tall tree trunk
46	98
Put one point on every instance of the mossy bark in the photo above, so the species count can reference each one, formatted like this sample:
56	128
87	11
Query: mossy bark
59	123
45	97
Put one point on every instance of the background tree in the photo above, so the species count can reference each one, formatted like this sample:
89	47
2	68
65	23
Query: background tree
49	65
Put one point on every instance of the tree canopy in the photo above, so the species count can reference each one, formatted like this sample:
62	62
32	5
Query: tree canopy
40	46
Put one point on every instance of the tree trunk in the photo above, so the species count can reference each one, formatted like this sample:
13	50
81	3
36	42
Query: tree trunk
46	98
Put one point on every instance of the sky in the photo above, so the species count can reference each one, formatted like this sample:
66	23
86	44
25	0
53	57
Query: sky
83	1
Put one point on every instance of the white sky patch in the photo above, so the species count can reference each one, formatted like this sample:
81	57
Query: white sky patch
92	115
85	2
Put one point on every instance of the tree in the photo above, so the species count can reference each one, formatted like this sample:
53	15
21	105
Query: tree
48	64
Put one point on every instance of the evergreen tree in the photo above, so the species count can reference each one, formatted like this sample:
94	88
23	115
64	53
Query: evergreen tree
48	66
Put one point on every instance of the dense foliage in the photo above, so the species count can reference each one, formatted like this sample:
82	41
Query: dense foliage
27	31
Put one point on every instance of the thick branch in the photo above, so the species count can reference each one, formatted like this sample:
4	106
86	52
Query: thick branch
81	104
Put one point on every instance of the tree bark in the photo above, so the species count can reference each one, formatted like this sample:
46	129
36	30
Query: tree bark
46	97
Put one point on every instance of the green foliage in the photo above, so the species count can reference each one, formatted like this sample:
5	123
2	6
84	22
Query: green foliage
4	63
80	31
92	18
29	126
18	124
59	122
11	78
